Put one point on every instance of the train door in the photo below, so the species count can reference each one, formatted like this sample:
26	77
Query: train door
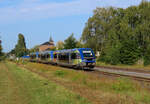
75	56
55	57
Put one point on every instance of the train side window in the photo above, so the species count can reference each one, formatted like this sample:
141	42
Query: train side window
67	56
55	55
43	57
48	56
59	56
73	56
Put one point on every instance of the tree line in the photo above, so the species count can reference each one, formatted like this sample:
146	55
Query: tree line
0	50
21	49
121	35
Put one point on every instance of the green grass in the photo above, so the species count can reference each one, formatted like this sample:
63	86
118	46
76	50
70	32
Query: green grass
60	73
123	85
110	91
136	66
24	87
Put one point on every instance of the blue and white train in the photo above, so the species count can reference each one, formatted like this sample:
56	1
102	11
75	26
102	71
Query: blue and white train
77	58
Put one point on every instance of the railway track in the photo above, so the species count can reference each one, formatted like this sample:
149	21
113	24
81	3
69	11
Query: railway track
112	72
140	76
125	69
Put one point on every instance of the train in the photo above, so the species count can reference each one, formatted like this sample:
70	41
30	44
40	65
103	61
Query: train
77	58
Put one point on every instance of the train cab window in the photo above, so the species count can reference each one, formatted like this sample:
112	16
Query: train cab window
87	53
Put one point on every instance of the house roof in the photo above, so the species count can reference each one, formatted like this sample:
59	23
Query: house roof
48	43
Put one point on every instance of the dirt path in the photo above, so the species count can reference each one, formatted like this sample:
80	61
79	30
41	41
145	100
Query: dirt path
11	88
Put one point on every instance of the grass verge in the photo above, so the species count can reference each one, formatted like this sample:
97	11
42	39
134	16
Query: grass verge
19	86
132	67
99	90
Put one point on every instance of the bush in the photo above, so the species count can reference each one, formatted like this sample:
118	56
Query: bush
129	53
2	56
147	57
110	55
126	52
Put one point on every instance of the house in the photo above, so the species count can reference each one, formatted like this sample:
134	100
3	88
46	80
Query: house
47	45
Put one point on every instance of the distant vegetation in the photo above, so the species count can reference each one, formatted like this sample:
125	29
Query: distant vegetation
0	51
34	49
71	42
121	35
20	48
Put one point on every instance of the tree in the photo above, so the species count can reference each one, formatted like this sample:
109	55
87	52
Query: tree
20	48
60	45
79	44
34	49
0	51
70	42
0	48
147	57
122	35
97	28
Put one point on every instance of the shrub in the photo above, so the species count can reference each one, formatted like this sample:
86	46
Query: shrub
110	55
147	57
60	73
129	52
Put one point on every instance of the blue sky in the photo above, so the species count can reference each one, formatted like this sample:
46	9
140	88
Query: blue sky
38	19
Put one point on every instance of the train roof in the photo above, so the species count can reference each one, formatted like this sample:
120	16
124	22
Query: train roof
65	50
69	50
26	56
44	52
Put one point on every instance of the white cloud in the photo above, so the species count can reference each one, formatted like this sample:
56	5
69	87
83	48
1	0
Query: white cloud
33	9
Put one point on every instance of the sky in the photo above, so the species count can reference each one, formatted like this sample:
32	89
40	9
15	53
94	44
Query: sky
37	20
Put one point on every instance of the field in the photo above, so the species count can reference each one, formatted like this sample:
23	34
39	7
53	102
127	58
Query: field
19	86
33	83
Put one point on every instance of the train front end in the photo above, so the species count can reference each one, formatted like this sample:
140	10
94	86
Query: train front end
88	58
